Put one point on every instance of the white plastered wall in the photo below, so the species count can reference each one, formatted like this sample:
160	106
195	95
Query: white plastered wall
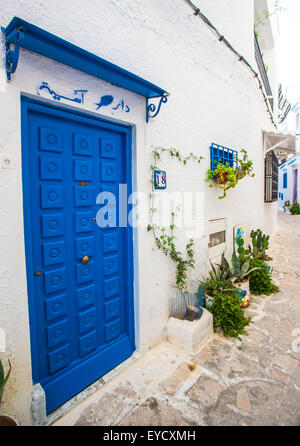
213	98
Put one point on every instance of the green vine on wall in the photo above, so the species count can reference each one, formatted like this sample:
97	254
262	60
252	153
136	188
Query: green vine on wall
164	236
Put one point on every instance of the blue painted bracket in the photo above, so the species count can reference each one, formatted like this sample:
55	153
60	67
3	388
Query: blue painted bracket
152	110
14	38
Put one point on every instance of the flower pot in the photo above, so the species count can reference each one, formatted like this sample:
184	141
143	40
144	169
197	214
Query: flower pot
221	178
6	420
208	301
269	262
244	292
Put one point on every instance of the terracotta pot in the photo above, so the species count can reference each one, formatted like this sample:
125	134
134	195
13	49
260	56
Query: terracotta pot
244	292
221	178
6	420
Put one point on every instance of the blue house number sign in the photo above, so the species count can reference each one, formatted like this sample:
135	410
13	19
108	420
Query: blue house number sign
160	179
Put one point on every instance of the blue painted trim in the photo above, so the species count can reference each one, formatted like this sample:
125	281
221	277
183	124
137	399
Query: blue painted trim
291	162
285	179
32	104
42	42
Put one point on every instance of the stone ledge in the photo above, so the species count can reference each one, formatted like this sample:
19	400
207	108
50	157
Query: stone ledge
190	335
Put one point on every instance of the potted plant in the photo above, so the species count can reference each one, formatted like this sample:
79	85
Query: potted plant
287	205
260	244
227	176
218	281
295	209
239	272
5	420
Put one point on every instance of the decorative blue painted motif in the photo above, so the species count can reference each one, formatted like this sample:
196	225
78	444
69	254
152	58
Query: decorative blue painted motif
82	144
59	358
160	179
241	293
86	296
123	106
111	309
56	307
52	225
112	330
222	154
23	34
57	333
152	110
108	149
110	242
83	196
81	314
104	101
111	287
58	97
87	320
84	247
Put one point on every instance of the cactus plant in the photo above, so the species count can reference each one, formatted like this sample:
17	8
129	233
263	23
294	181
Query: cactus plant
260	243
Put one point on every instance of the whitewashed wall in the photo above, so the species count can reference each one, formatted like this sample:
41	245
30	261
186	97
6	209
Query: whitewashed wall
213	98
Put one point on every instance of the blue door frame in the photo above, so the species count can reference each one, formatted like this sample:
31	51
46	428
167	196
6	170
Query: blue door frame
98	350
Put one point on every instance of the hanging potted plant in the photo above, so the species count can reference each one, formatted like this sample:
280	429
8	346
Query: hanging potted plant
5	420
226	176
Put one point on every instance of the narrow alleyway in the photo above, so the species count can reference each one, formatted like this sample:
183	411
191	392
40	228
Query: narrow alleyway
253	382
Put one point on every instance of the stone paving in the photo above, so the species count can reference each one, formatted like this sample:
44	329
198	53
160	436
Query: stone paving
253	382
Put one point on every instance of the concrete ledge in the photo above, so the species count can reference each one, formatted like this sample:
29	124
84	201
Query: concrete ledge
191	335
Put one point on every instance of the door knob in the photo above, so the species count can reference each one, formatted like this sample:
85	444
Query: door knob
85	259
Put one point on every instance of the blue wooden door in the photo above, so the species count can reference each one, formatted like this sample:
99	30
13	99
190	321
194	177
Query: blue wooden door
80	276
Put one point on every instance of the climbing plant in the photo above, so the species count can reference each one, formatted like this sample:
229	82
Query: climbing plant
261	17
164	237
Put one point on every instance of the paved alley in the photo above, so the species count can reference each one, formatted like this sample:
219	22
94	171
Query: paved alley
253	382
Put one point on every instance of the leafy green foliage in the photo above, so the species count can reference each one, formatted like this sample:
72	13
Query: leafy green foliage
3	378
295	209
243	253
239	269
218	281
227	177
164	237
261	279
228	314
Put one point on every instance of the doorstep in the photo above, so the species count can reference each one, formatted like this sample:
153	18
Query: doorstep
123	388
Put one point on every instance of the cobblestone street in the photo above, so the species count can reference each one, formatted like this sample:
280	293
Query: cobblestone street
253	382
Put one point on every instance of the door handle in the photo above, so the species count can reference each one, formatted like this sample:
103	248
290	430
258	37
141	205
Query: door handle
85	259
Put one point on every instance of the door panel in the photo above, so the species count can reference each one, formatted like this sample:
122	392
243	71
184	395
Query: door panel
81	314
